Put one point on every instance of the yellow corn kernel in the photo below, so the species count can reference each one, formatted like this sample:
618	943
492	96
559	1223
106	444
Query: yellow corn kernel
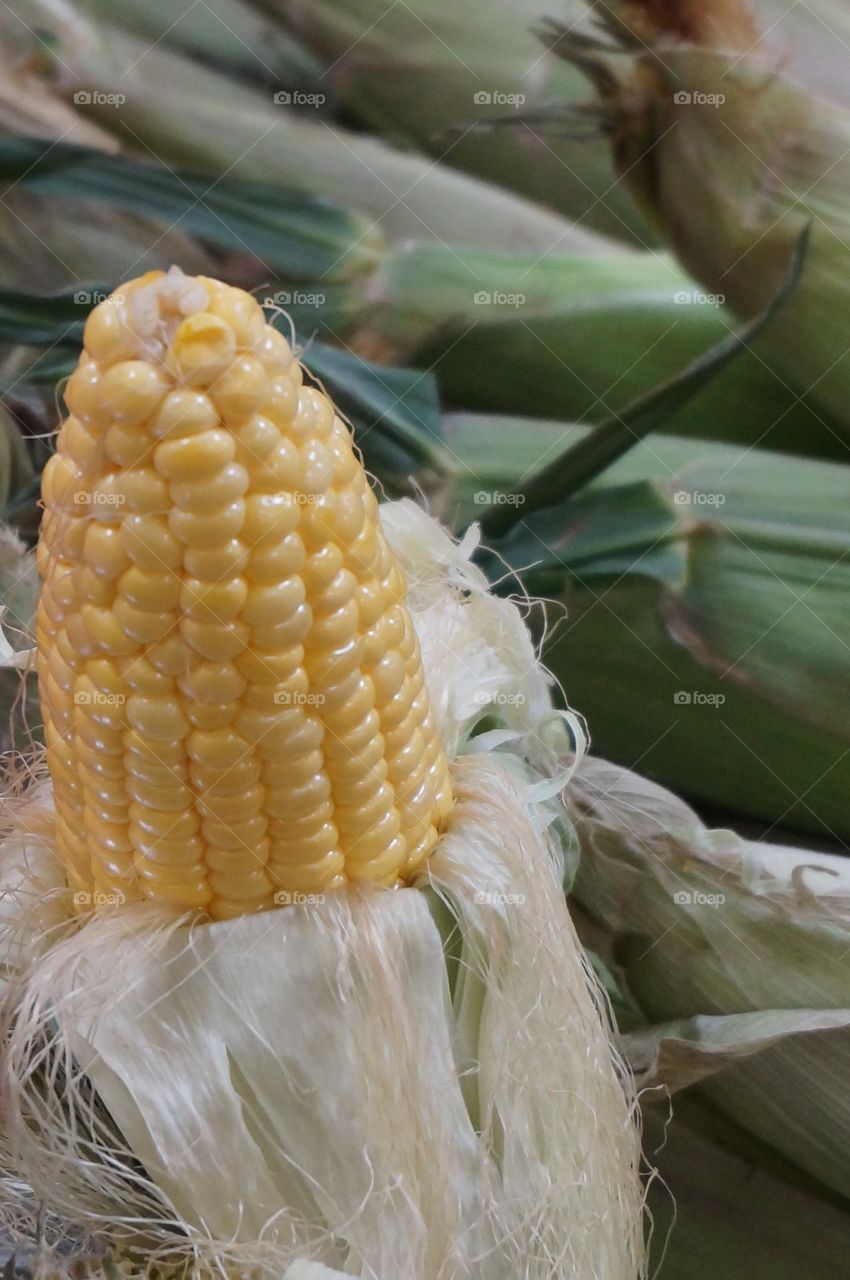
232	689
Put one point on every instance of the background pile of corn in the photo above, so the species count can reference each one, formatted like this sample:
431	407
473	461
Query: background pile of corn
518	242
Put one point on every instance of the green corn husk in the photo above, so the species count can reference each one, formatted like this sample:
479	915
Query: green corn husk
172	112
228	34
593	327
716	1213
588	335
258	226
573	333
736	952
738	594
418	74
731	157
43	249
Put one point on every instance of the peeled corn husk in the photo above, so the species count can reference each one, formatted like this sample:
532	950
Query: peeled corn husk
20	717
415	1083
736	952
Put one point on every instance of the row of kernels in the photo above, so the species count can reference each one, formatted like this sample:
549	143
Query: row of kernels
313	419
230	810
229	781
280	469
291	853
299	801
323	874
297	787
132	392
247	836
377	859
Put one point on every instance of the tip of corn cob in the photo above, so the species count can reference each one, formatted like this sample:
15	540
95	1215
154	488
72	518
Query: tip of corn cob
233	695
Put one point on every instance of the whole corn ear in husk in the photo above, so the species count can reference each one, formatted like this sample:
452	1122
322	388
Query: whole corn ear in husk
706	599
172	112
731	157
411	1080
736	952
425	74
574	332
578	334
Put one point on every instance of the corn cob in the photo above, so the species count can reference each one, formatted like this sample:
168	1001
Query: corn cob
233	696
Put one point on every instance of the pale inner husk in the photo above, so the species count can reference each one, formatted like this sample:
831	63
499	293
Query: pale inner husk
408	1085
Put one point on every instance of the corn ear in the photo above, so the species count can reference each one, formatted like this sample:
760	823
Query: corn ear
706	598
172	105
424	75
731	158
233	695
575	335
322	1042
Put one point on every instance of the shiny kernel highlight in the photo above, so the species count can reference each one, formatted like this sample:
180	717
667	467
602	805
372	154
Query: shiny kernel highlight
232	690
